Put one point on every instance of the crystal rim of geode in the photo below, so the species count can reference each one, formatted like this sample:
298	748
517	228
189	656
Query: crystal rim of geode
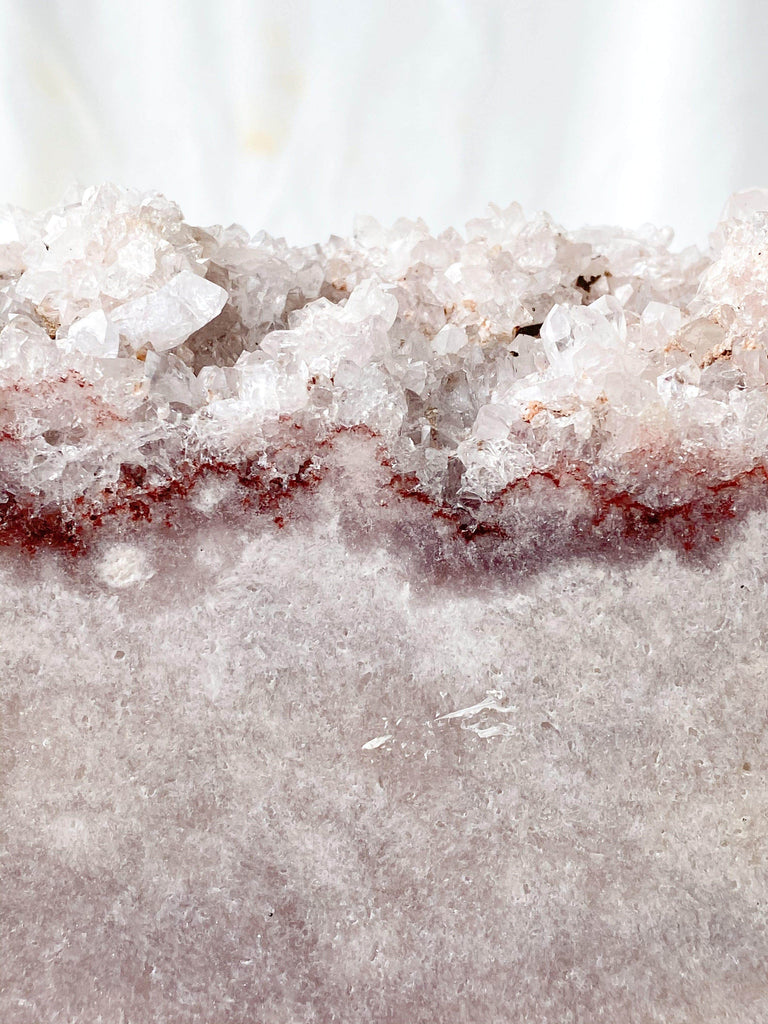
595	378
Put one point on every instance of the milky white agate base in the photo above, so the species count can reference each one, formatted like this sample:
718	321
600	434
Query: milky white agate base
197	826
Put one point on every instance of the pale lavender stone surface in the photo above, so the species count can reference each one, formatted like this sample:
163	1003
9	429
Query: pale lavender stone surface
364	657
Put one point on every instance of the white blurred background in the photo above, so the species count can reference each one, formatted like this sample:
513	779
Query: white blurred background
293	116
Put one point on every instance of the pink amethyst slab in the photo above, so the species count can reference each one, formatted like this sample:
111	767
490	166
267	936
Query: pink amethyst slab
382	623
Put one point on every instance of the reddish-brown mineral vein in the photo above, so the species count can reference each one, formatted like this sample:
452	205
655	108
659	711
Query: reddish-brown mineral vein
25	523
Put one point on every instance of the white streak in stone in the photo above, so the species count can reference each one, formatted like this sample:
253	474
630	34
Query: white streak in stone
492	702
374	744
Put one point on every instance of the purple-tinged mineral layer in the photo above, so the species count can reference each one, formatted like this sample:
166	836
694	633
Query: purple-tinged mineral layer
383	624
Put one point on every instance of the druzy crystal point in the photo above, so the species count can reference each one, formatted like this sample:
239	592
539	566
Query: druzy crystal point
383	622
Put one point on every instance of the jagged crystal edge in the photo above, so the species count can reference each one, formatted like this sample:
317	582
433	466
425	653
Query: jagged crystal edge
131	341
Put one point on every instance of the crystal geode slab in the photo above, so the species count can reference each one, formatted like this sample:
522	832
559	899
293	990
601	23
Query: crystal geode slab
383	622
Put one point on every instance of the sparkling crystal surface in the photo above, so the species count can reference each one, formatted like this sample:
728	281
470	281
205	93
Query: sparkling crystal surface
383	621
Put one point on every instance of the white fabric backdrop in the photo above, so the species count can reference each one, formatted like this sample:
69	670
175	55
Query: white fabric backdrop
293	116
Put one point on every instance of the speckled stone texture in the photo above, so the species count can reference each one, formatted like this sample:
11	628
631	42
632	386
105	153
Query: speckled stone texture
383	624
193	830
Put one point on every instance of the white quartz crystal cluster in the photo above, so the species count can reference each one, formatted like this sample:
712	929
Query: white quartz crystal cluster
133	339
